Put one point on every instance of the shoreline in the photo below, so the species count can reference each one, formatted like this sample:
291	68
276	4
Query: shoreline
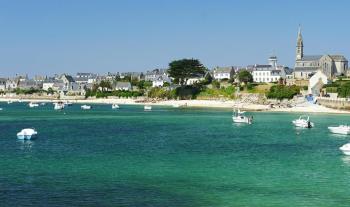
300	108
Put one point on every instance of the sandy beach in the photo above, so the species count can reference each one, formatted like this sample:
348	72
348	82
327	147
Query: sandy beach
303	107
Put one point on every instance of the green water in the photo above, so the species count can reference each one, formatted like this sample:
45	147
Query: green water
169	157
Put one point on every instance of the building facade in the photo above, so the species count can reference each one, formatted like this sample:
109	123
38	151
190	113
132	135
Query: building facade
221	73
308	65
269	73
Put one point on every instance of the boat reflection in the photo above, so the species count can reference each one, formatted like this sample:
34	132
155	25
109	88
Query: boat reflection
25	144
346	160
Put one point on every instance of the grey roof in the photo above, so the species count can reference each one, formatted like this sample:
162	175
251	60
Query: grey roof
223	69
80	79
156	72
69	78
123	84
262	67
53	81
311	57
307	69
85	74
338	58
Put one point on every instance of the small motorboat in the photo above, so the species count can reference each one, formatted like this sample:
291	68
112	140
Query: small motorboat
42	104
345	149
9	102
85	107
176	106
58	106
33	105
303	122
238	117
67	103
0	109
147	108
27	134
341	129
115	106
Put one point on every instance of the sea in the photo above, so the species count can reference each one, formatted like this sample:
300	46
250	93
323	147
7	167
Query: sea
169	157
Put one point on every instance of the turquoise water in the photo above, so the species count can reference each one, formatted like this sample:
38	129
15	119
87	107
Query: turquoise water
169	157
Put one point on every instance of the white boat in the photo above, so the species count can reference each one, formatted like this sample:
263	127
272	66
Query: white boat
58	106
147	108
341	129
85	107
303	122
67	103
238	117
176	105
9	102
32	105
115	106
345	149
27	134
0	109
42	104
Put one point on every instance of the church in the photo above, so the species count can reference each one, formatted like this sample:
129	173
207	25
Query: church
307	65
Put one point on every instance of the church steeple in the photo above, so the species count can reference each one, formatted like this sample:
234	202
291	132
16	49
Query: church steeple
300	46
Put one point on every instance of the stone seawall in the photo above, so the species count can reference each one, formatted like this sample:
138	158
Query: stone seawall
338	103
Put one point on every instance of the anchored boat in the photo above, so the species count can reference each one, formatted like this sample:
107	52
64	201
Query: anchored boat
58	106
115	106
239	117
27	134
341	129
85	107
345	149
147	108
32	105
303	122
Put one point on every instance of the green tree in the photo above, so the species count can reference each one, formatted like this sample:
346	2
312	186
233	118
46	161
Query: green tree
281	92
344	90
182	70
245	76
50	91
216	84
142	84
105	85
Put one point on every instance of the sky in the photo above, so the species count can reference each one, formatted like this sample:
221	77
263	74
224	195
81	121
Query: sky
68	36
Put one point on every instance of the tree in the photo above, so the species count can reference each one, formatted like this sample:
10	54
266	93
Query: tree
105	85
50	91
245	76
182	70
282	91
344	90
216	84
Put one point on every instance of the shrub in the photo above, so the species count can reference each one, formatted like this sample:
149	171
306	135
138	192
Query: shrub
344	90
281	92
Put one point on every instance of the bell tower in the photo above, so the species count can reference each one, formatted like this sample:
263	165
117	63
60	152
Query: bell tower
300	46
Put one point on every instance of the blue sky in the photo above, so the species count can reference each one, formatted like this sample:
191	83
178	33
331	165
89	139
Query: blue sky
56	36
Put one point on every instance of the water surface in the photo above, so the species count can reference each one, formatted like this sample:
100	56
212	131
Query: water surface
169	157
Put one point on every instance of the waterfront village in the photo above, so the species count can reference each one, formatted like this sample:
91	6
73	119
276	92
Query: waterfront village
315	79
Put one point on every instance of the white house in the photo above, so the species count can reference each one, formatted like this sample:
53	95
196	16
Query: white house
195	79
316	83
159	82
3	84
47	85
221	73
269	73
266	74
